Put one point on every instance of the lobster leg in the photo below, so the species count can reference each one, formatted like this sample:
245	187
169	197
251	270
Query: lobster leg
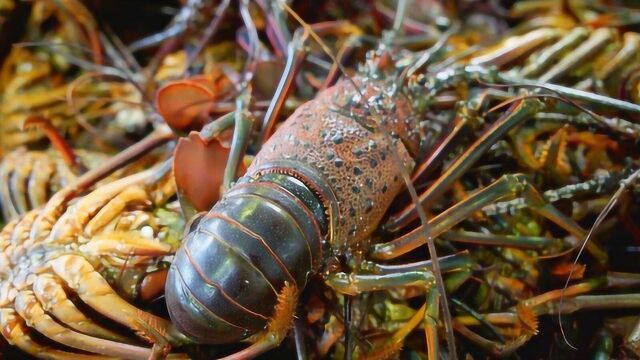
514	47
525	137
471	72
9	211
465	123
343	54
521	111
29	309
524	318
623	57
39	181
555	51
241	137
598	39
438	154
18	185
428	314
115	206
54	207
295	56
450	263
53	298
94	290
353	284
523	242
81	213
125	244
16	332
506	186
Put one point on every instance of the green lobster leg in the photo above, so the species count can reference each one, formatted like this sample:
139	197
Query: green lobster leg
239	143
353	284
505	187
521	111
598	39
554	52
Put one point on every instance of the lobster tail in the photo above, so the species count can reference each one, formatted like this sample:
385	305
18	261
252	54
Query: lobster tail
224	281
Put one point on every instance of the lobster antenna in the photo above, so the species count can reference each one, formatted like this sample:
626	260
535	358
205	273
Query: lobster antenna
426	229
309	30
399	18
624	184
558	96
211	29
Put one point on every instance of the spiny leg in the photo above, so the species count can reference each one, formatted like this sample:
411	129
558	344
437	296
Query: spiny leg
94	290
241	136
627	53
295	56
65	226
486	75
514	47
7	166
455	262
38	184
517	241
18	184
519	113
16	332
32	312
551	54
58	202
506	186
353	284
50	293
125	244
598	39
467	119
115	206
16	250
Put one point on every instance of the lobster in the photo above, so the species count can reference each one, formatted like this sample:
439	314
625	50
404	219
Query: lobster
321	197
89	247
320	186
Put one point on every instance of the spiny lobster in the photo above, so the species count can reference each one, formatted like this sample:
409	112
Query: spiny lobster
319	187
313	199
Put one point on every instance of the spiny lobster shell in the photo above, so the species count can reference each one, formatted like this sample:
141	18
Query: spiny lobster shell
327	135
97	237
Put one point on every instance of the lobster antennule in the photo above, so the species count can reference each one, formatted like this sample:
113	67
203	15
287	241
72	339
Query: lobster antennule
224	283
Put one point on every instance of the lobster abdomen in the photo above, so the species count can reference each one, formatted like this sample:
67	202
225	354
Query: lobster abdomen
224	282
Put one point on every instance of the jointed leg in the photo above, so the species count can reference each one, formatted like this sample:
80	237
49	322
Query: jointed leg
80	276
353	284
506	186
520	112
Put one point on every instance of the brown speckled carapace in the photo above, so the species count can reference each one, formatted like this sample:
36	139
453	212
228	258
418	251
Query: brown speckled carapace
327	134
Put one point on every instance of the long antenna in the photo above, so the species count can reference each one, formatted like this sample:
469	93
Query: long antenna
624	184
